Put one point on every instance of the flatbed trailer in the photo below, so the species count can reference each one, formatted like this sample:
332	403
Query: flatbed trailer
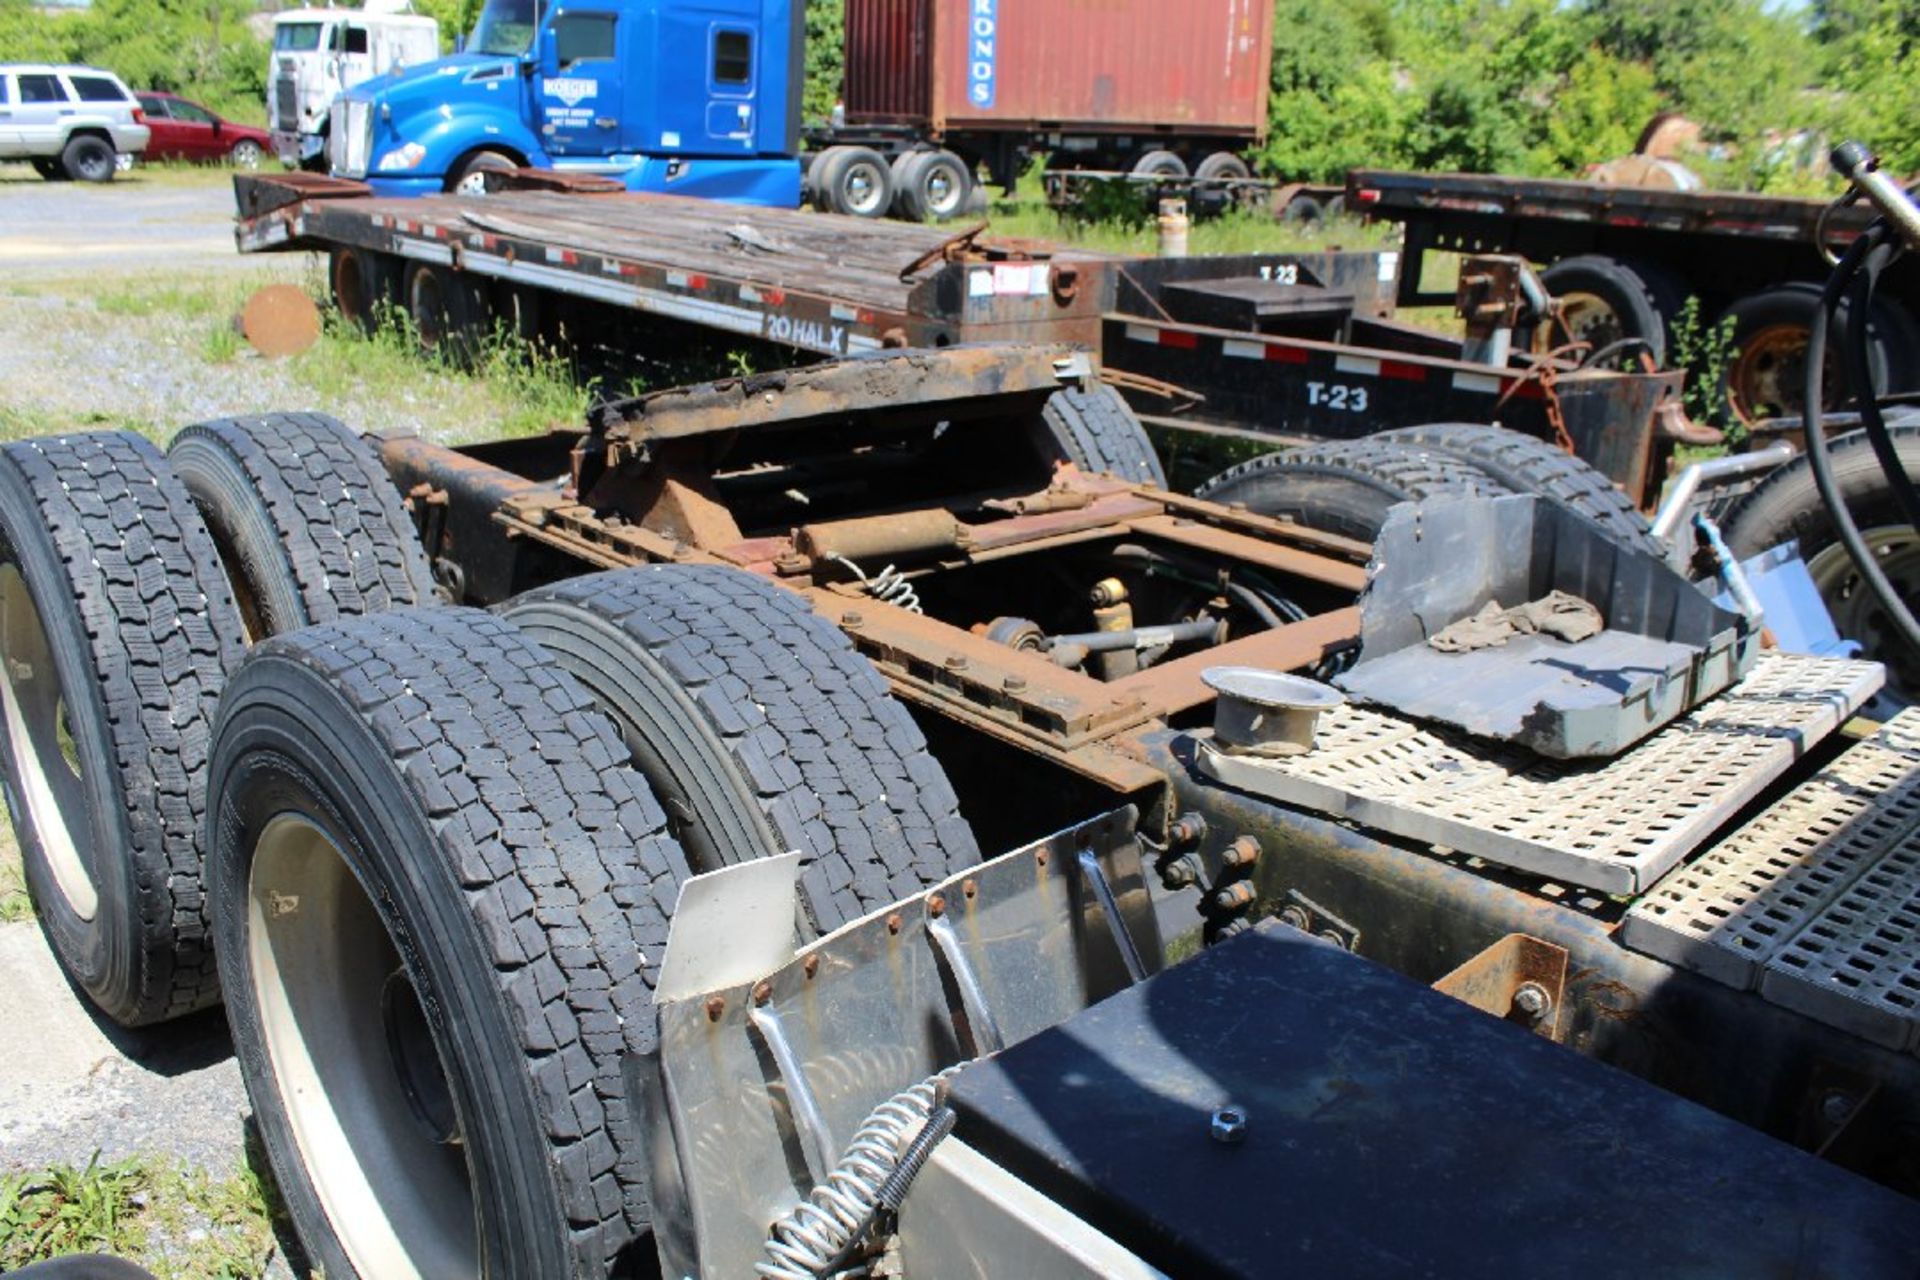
1285	347
1631	257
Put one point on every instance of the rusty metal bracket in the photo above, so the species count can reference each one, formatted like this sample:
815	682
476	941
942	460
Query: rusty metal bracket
1308	916
1520	979
952	249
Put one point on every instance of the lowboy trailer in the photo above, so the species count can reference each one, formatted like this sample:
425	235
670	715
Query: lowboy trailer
1281	347
638	924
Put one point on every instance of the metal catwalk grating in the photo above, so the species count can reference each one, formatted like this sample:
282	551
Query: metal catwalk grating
1616	825
1816	902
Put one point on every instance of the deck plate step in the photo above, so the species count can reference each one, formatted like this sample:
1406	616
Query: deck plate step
1816	902
1614	825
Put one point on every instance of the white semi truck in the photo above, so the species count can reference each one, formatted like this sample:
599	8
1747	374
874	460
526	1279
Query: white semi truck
319	52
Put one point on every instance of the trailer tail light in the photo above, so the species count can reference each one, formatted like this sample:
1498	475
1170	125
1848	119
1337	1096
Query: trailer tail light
1367	195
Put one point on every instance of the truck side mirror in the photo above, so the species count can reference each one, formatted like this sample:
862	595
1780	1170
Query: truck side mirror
460	42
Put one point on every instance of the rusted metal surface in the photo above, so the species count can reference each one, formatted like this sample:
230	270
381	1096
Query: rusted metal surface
1174	686
1268	529
280	320
924	383
827	285
1189	532
1124	65
1519	979
257	194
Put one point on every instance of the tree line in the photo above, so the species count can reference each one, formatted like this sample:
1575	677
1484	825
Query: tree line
1539	87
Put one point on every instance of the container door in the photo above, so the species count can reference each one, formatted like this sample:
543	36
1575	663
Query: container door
41	112
731	89
579	90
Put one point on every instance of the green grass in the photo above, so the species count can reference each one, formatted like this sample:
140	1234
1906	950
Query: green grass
15	904
179	1223
48	1212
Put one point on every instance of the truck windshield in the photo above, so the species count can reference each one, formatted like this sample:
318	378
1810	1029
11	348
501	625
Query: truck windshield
296	37
506	27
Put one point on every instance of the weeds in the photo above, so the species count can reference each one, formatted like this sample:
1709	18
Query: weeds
15	903
58	1210
1705	352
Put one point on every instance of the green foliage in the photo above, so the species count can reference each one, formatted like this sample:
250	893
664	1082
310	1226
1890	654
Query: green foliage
48	1212
1598	113
199	48
1704	351
826	36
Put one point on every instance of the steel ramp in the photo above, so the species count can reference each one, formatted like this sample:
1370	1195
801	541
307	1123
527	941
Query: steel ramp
1815	903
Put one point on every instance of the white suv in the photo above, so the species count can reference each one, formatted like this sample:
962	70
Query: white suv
71	122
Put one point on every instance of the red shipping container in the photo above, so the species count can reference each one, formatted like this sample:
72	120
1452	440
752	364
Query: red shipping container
1190	68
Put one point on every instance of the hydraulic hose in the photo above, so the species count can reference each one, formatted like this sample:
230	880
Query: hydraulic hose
1818	460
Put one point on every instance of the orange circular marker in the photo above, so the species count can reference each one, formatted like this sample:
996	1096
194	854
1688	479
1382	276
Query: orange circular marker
280	320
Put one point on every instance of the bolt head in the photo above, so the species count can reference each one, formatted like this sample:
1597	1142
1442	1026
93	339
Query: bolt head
1532	999
1228	1125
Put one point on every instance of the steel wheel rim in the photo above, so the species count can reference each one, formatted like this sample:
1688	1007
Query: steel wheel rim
1857	613
863	188
943	193
323	969
52	778
472	183
92	166
1769	373
1588	318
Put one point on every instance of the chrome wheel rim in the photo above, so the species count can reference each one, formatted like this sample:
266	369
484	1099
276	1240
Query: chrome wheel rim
353	1062
40	741
943	193
863	188
1857	612
472	183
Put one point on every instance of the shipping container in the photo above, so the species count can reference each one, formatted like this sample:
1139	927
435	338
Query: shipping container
1165	95
1132	66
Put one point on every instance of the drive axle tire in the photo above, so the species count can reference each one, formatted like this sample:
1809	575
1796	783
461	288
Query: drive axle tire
1348	487
931	186
1787	505
1526	464
88	159
117	632
761	729
440	902
1094	428
477	173
855	182
308	524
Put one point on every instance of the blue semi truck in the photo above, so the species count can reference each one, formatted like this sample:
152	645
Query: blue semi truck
716	114
702	97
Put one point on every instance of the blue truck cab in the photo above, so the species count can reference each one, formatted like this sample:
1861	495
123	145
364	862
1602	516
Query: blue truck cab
699	99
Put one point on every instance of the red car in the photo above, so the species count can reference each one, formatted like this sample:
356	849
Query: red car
185	130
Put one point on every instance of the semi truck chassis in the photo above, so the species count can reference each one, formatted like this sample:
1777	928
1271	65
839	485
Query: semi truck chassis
448	853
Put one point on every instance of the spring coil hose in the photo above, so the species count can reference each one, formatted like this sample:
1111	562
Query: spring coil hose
889	586
814	1239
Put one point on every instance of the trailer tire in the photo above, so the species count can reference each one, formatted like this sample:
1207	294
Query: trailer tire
1303	210
365	283
1094	428
1218	167
931	185
308	524
1607	300
439	908
1528	465
855	182
761	729
1348	487
116	634
449	312
1786	505
1766	376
